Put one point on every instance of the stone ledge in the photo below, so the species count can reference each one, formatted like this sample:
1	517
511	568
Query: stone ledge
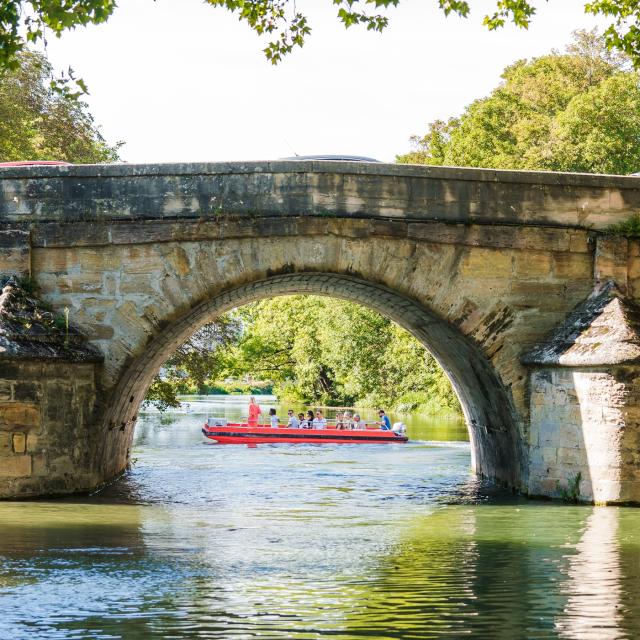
343	189
320	166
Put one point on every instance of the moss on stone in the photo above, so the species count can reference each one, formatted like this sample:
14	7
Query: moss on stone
629	228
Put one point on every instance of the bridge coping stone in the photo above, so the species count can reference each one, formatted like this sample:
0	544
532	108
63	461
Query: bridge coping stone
320	166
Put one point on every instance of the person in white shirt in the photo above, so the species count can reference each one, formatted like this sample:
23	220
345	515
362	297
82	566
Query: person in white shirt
319	422
347	420
293	422
274	418
358	423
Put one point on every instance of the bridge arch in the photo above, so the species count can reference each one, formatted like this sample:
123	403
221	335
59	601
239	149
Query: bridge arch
494	271
488	408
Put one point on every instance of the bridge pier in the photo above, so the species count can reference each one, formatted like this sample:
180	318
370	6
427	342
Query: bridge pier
584	432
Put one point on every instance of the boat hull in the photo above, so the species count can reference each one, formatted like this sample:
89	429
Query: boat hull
243	434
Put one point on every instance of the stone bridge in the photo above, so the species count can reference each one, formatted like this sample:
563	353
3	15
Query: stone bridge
507	277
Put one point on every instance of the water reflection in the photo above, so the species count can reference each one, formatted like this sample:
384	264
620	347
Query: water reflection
347	542
594	586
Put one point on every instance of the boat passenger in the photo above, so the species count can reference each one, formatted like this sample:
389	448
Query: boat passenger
339	420
293	422
358	423
319	422
254	412
308	420
273	418
385	423
301	420
347	420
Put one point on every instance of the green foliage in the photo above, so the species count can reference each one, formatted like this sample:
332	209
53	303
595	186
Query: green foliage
577	111
38	123
196	364
308	349
23	21
629	228
571	493
322	350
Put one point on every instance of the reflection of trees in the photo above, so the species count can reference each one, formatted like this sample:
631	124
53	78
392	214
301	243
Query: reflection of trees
486	571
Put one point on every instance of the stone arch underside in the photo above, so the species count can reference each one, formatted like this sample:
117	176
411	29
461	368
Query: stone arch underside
497	447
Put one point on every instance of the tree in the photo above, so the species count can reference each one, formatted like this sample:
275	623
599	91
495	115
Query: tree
287	27
316	350
576	111
197	360
38	123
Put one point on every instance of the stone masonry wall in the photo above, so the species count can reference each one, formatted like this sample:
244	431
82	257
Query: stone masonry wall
48	441
586	421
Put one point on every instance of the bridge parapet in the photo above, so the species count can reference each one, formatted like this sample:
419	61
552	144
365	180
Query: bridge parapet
36	194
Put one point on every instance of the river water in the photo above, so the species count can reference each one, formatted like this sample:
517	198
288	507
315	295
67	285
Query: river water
201	540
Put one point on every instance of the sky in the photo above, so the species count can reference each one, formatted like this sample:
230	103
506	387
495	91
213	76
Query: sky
181	81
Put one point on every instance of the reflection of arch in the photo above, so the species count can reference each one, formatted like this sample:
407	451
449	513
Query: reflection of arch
488	409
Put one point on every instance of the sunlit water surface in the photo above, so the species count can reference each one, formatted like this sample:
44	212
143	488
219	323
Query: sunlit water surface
201	540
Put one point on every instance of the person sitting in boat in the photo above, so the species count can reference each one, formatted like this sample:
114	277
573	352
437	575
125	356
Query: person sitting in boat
307	423
385	423
339	420
273	418
254	412
302	421
358	423
293	422
347	420
319	422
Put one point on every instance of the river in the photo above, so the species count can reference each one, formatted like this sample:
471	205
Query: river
201	540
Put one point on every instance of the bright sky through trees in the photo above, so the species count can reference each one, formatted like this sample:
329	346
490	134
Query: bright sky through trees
179	81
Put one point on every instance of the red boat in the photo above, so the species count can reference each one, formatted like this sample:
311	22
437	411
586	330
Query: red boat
241	433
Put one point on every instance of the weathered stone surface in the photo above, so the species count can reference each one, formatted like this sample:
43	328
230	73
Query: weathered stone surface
603	330
581	426
19	415
19	442
479	265
15	466
343	189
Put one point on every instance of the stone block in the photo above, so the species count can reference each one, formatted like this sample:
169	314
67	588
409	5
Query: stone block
32	442
98	331
80	283
573	265
139	284
19	442
5	443
19	415
53	260
96	260
27	391
580	242
15	466
5	390
486	263
178	261
142	259
573	456
533	264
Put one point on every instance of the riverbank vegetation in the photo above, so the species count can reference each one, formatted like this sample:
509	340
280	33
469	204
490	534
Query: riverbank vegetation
40	122
572	111
310	349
